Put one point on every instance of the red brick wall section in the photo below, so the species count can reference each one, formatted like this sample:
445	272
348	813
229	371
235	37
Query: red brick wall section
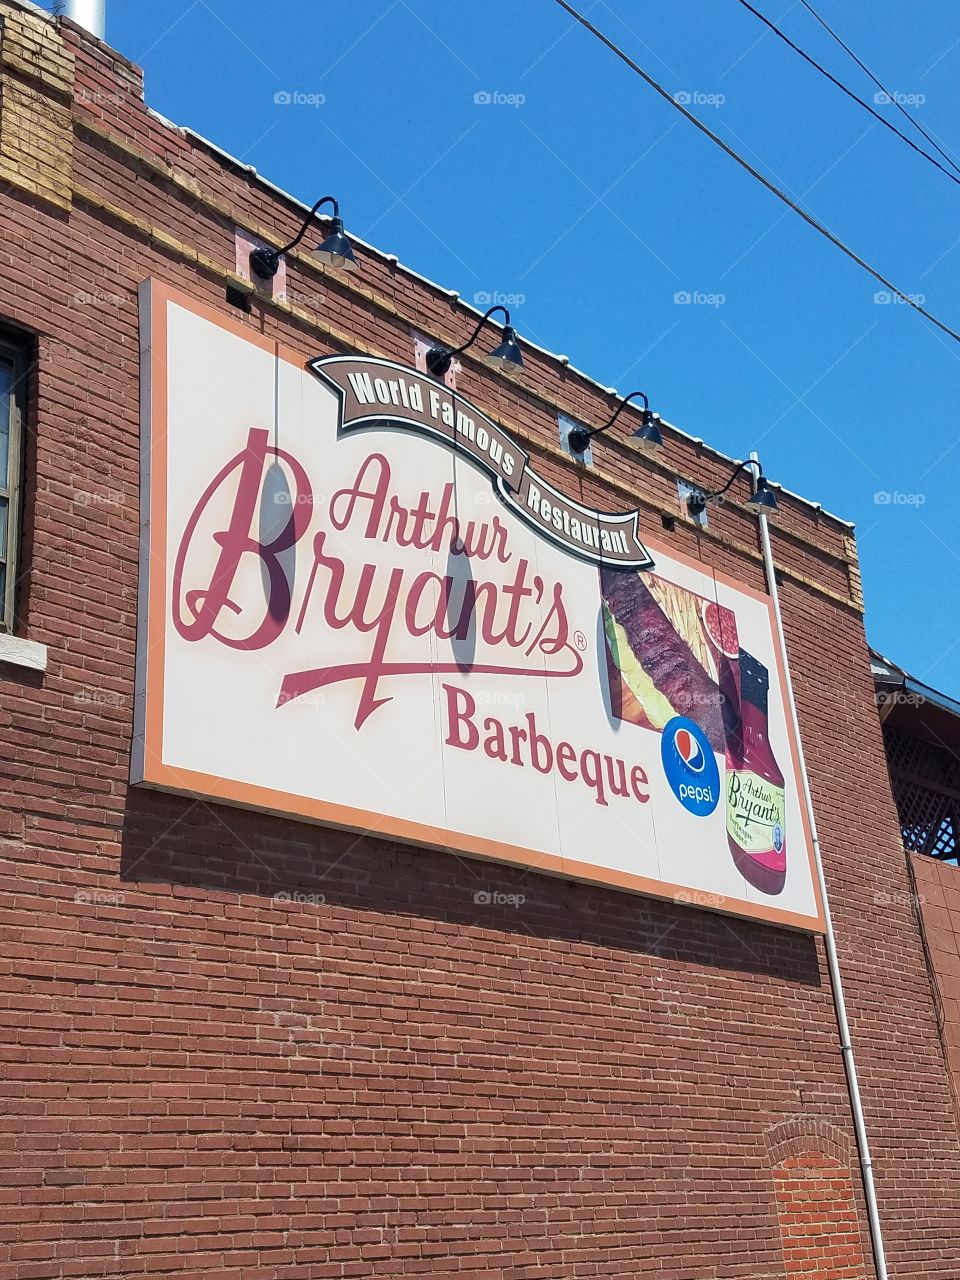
203	1077
938	901
814	1173
818	1218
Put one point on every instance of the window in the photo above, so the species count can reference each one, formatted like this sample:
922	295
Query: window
12	387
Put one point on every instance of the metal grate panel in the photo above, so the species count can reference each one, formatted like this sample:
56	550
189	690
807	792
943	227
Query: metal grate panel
926	787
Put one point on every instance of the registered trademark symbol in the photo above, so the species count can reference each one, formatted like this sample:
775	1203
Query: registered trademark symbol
580	640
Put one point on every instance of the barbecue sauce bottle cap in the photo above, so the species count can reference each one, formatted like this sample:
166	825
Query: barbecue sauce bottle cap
754	680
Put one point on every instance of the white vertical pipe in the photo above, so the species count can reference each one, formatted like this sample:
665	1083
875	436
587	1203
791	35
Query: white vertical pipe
89	14
833	962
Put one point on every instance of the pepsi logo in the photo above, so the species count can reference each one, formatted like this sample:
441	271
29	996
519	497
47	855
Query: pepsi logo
690	766
689	750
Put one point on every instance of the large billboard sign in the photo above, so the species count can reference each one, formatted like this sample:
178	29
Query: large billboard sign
363	604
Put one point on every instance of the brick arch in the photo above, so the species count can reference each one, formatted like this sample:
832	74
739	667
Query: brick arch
812	1165
799	1134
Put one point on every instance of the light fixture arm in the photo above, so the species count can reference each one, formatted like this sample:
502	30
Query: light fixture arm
480	323
440	358
580	437
741	466
266	262
306	223
697	500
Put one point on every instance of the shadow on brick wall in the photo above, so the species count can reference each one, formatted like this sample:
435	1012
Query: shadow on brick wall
295	867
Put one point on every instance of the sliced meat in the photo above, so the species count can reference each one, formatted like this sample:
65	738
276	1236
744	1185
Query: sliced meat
665	656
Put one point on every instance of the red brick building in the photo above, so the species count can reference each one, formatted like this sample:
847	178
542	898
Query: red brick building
241	1044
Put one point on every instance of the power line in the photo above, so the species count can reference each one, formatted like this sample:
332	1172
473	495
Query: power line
755	173
891	97
881	119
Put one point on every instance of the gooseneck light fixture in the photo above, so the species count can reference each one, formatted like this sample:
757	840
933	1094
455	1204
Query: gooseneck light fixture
648	437
505	356
334	251
762	501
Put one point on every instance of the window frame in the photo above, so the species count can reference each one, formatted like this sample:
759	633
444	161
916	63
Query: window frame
14	354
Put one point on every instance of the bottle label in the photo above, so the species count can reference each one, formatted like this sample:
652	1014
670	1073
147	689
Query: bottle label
755	812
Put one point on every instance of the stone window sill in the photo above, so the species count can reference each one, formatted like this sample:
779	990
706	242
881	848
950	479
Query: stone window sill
17	652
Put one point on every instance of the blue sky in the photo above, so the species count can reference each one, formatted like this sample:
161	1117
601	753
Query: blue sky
595	203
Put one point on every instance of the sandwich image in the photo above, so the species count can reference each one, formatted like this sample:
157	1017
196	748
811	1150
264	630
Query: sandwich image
659	658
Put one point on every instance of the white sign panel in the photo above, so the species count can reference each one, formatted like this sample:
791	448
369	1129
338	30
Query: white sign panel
363	605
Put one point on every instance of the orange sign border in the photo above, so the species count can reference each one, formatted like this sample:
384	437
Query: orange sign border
155	299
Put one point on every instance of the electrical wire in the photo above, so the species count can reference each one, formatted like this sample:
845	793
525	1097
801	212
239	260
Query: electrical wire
891	97
881	119
755	173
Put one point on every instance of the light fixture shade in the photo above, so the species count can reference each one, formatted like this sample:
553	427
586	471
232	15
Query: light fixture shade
335	251
507	355
763	500
648	438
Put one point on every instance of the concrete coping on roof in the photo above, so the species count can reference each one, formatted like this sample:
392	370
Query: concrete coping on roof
392	260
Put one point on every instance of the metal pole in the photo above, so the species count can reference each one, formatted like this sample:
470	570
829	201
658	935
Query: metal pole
89	14
833	962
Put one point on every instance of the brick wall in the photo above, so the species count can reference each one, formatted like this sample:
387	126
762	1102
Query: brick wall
818	1218
202	1080
938	903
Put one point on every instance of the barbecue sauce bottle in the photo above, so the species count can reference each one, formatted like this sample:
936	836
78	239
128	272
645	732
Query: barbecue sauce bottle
755	788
